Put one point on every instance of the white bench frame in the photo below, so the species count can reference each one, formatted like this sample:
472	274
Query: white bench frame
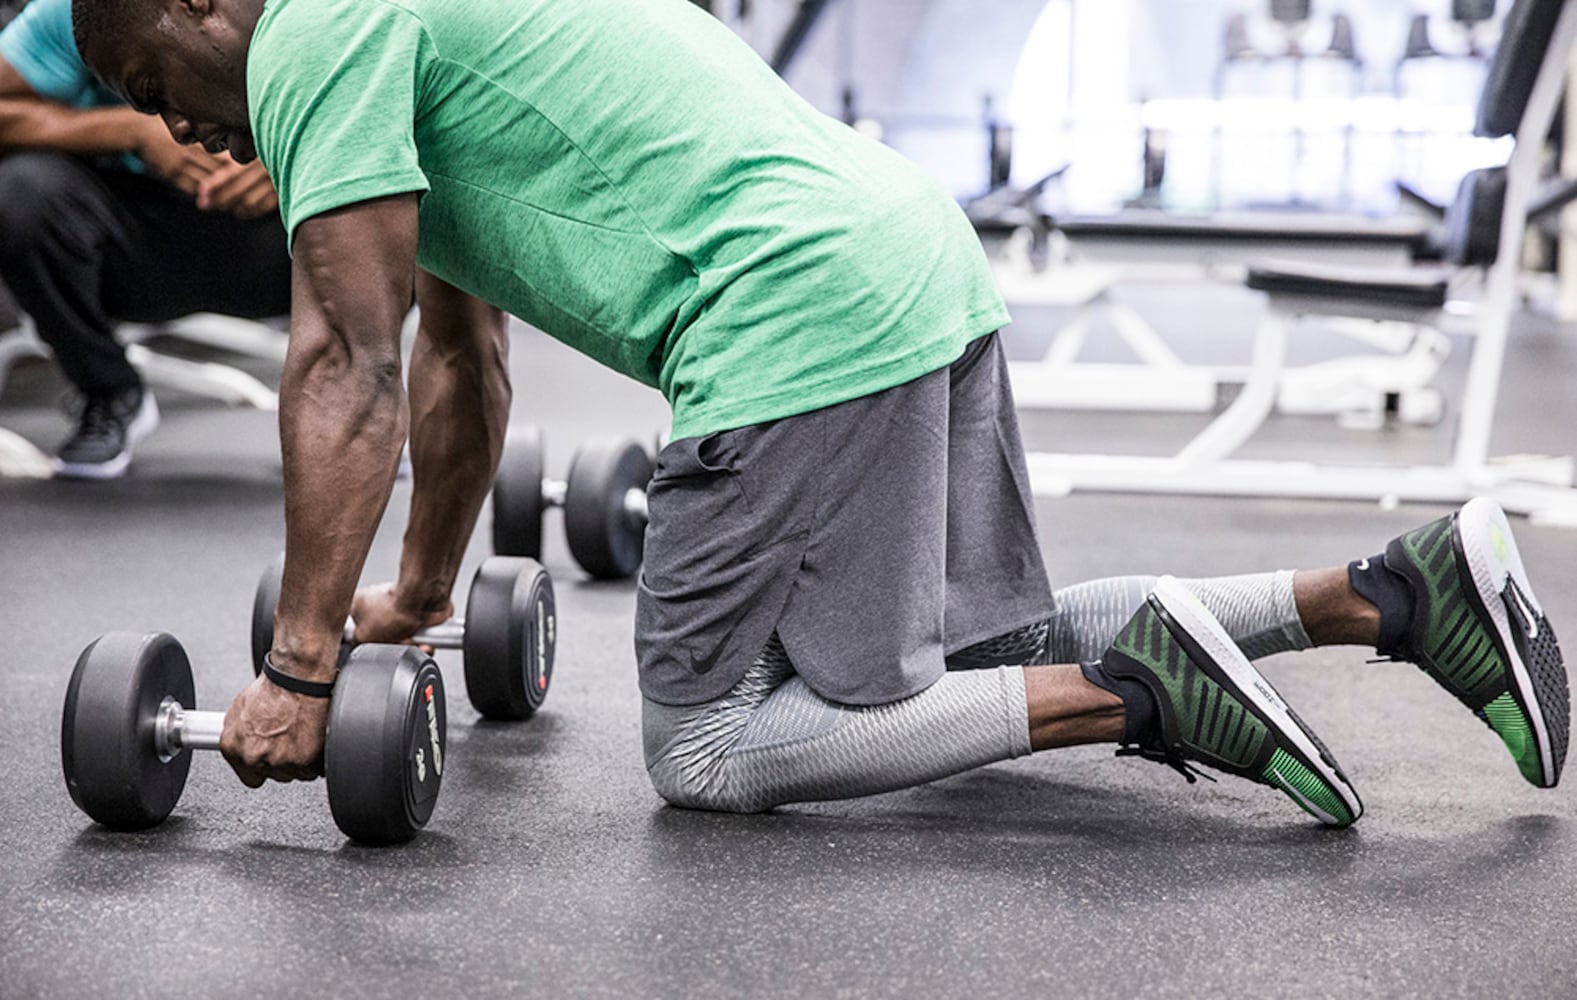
225	383
1540	487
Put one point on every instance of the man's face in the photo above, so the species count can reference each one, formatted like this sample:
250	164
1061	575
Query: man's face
178	67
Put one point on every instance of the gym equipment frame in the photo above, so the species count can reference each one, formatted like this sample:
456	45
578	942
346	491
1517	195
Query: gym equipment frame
1541	487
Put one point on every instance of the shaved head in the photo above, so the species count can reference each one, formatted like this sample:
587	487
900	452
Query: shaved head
92	20
183	60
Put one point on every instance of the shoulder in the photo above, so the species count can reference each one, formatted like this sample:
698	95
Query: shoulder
39	45
43	22
297	39
336	19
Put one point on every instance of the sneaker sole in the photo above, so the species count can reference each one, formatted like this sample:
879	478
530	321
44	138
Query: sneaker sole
113	469
1484	543
1219	657
144	423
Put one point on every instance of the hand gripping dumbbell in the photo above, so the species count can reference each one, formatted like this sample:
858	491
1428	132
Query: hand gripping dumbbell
507	636
604	502
130	717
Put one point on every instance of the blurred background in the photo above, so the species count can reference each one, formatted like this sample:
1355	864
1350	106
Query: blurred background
1194	105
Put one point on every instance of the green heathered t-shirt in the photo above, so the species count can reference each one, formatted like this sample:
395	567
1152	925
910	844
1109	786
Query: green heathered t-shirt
629	177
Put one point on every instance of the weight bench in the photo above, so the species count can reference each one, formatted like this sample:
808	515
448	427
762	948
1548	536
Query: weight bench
1223	245
1351	388
225	383
1413	300
1524	84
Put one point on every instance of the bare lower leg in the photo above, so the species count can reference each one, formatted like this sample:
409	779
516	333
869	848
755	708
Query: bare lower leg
1066	710
1333	613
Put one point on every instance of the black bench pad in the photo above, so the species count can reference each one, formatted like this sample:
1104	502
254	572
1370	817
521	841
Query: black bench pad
1422	287
1313	227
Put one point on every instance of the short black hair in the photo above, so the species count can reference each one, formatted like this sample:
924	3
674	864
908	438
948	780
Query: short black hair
92	20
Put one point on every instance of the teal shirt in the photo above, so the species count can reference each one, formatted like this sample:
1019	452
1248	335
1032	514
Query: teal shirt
629	177
39	45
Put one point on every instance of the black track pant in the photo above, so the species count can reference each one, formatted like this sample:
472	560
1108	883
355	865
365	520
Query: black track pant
84	248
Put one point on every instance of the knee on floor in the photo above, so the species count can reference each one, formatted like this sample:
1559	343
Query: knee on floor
689	787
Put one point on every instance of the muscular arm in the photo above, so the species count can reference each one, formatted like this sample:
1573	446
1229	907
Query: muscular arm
343	415
459	390
342	423
459	408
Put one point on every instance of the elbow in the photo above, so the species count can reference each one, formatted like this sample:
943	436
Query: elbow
361	384
373	390
343	361
384	376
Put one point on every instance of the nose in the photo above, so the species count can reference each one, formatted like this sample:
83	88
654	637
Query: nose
180	126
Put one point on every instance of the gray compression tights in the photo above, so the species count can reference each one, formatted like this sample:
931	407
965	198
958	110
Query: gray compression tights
1258	611
771	740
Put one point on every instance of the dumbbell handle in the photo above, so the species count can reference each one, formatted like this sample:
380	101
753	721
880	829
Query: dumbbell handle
555	490
176	729
444	635
635	506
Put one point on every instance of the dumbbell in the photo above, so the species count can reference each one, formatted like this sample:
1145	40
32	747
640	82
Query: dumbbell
130	717
604	502
507	636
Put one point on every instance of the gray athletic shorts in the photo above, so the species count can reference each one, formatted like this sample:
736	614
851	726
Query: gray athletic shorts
873	537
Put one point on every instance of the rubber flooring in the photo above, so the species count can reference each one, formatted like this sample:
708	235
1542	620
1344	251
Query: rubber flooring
551	869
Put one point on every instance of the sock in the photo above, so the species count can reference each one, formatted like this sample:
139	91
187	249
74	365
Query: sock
1141	717
1389	591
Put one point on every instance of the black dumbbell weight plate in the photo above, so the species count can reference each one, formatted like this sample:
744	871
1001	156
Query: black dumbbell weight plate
517	494
385	753
510	632
263	605
113	769
603	538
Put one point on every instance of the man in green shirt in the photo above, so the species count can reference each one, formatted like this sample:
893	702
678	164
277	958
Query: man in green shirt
842	593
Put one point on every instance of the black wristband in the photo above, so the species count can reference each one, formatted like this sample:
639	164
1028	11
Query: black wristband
312	689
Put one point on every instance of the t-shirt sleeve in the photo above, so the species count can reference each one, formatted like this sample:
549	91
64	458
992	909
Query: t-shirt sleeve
39	46
333	108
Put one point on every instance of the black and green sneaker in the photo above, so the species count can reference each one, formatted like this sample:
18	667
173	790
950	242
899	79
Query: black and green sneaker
1480	632
1214	708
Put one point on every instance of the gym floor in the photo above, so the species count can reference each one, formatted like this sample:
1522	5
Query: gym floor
551	868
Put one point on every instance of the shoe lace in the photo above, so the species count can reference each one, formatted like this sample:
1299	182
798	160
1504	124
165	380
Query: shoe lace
97	418
1170	758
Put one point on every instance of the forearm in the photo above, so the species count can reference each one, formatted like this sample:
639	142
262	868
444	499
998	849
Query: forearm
37	124
460	399
343	417
342	426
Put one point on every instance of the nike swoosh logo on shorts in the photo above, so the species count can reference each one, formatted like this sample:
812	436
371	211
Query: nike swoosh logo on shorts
701	665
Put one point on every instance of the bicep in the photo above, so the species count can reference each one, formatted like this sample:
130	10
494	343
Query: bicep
318	108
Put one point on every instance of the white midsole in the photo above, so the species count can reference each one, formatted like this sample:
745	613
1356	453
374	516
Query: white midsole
1478	522
144	423
1189	612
